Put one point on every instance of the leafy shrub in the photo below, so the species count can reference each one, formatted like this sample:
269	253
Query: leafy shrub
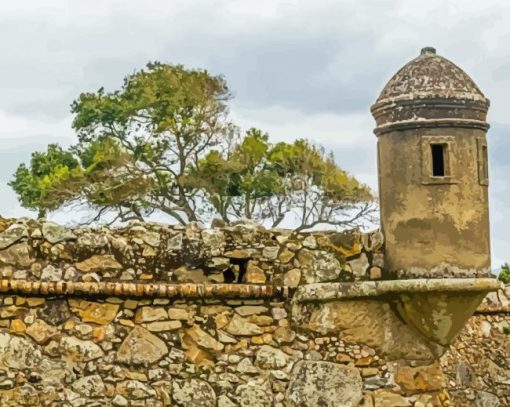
504	275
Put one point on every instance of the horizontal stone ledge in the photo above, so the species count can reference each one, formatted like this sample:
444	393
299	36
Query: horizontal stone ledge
322	292
69	288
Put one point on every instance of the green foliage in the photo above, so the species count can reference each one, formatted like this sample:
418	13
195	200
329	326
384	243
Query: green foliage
504	275
53	178
163	142
506	330
257	179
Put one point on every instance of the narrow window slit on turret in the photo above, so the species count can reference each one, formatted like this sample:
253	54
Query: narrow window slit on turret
438	160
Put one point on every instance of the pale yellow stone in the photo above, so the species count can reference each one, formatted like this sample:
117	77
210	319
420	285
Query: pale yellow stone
35	301
163	326
126	322
99	263
150	314
41	332
20	300
99	313
178	313
221	320
18	327
130	304
254	275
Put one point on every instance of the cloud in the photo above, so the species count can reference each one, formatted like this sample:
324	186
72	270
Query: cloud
297	69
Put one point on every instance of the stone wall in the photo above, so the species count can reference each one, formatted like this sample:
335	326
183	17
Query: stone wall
242	253
76	331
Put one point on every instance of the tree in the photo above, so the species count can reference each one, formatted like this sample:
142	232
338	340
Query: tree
166	117
54	177
259	180
241	182
163	142
504	274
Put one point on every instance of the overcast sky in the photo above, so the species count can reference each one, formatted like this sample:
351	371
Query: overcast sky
297	68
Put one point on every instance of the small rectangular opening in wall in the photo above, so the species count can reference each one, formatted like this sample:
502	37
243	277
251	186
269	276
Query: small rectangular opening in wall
438	160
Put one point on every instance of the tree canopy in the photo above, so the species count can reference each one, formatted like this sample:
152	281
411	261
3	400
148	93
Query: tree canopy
164	143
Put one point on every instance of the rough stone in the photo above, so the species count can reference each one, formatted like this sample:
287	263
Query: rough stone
242	327
89	386
370	322
164	326
203	339
214	240
98	313
383	398
12	234
247	310
268	357
99	263
16	255
255	393
420	378
179	314
486	399
292	278
359	265
18	353
324	384
141	347
50	273
254	275
134	390
55	233
150	314
41	332
81	350
319	267
193	393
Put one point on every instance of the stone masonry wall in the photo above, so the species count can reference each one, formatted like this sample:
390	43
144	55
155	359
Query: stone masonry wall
239	347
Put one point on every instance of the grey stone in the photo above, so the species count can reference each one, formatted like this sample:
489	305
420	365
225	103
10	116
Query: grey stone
93	240
55	233
214	241
89	386
465	374
119	401
360	265
50	273
319	266
246	366
268	357
193	393
255	393
12	234
16	255
141	347
324	384
224	401
135	390
175	243
485	399
18	353
81	350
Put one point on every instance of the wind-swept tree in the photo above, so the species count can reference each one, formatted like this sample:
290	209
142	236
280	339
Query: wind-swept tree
163	142
166	118
269	182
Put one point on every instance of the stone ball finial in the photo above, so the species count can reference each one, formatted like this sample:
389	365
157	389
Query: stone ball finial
428	50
